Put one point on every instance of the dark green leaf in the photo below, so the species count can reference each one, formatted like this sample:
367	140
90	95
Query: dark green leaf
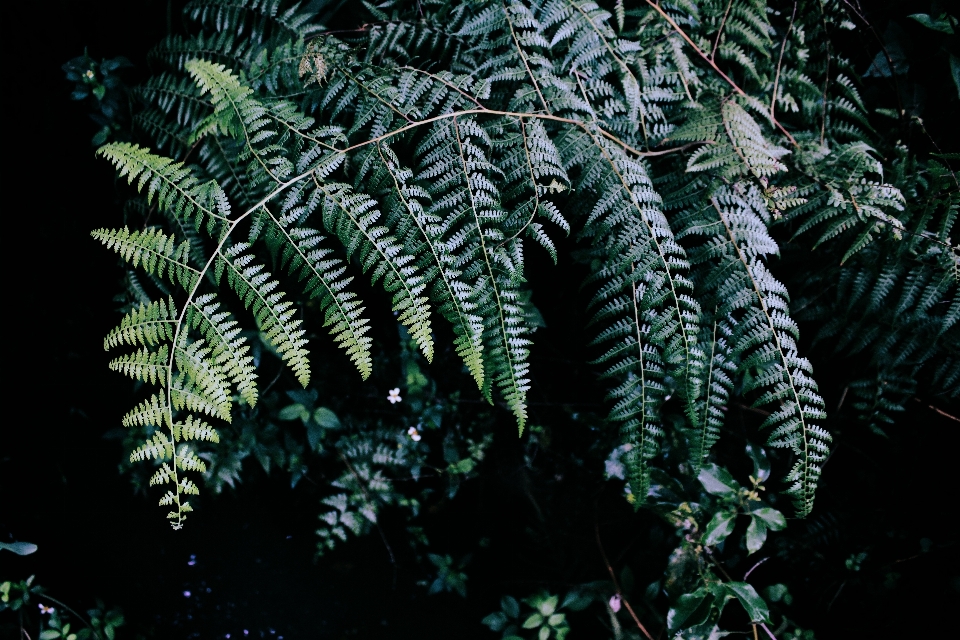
690	609
718	481
771	517
937	24
719	527
755	606
756	535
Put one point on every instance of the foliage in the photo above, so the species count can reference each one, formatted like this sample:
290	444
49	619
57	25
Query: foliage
683	146
56	619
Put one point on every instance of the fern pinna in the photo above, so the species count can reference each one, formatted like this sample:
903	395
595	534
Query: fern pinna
431	148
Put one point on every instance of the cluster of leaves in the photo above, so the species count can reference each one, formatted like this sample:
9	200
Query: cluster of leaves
676	141
55	619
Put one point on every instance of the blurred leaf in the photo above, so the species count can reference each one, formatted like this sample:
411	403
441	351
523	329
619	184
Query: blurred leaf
19	548
510	606
943	23
761	464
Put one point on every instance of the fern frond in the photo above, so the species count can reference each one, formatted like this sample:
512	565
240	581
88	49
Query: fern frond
157	253
299	250
148	325
175	186
228	349
275	316
144	365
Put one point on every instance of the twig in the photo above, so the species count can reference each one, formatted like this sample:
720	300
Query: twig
843	397
719	566
836	595
65	606
783	47
769	633
747	574
716	43
886	54
746	407
703	55
940	411
616	585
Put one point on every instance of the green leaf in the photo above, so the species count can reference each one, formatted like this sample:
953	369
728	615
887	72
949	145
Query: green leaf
718	481
719	527
534	621
755	606
294	412
510	606
496	621
771	517
544	633
690	609
326	418
548	605
49	634
576	600
19	548
761	464
941	24
756	535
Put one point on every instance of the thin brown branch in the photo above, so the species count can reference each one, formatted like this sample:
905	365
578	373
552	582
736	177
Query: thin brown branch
776	79
746	407
616	584
940	411
716	42
886	54
703	55
523	57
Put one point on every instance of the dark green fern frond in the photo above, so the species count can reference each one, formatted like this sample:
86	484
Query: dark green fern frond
299	250
422	234
452	160
764	336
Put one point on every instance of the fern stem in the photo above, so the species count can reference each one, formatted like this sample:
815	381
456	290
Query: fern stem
776	79
520	409
805	466
620	61
703	55
523	57
723	22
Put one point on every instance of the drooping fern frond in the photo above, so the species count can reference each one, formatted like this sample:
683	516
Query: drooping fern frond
431	147
763	337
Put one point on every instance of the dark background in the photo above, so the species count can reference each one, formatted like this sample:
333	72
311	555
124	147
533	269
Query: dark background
253	548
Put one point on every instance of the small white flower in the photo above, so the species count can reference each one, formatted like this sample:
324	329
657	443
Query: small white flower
45	609
614	603
394	396
414	434
89	73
